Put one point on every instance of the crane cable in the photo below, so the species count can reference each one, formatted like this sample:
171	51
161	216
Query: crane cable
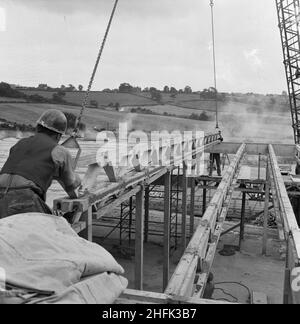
214	60
86	97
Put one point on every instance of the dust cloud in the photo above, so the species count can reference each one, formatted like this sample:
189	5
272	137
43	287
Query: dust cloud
263	125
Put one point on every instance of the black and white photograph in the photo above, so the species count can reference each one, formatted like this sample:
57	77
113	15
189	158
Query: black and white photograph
149	155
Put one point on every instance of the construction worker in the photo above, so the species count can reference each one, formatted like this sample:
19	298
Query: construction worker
33	164
216	157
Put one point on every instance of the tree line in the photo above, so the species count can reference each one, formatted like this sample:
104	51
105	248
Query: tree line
8	125
7	91
157	95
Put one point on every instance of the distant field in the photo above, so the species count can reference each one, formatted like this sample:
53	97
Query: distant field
182	104
238	121
29	113
6	99
103	98
231	109
251	121
191	101
170	109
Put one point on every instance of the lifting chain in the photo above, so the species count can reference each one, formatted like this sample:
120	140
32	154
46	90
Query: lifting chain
86	97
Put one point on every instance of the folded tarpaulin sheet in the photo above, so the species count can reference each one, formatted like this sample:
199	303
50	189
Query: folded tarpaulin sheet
46	260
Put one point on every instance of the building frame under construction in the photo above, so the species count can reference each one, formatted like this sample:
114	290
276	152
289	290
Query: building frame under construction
187	284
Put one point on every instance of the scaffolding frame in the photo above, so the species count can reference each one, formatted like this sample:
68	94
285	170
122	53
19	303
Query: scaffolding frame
187	284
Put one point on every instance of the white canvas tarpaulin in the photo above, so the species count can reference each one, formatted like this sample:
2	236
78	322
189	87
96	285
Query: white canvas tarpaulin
42	253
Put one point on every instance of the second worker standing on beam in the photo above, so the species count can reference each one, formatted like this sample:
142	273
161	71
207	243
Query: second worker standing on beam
33	164
216	157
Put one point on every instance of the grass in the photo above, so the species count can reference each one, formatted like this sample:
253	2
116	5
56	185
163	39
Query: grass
6	99
239	121
170	109
189	101
29	113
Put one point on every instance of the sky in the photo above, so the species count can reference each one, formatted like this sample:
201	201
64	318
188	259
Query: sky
151	43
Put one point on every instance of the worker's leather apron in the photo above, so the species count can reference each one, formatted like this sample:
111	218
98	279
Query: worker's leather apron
21	200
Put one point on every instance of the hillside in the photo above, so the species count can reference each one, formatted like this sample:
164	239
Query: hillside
99	117
103	99
252	102
251	117
237	123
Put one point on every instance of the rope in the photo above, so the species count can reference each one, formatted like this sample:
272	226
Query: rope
214	59
86	97
234	283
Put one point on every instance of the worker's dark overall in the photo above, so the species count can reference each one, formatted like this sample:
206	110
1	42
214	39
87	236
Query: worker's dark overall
30	158
215	157
20	201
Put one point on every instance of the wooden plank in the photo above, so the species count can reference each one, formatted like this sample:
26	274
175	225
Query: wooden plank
287	212
132	301
139	240
184	275
178	276
116	203
215	206
279	220
187	289
145	297
286	206
201	285
208	262
209	259
196	251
